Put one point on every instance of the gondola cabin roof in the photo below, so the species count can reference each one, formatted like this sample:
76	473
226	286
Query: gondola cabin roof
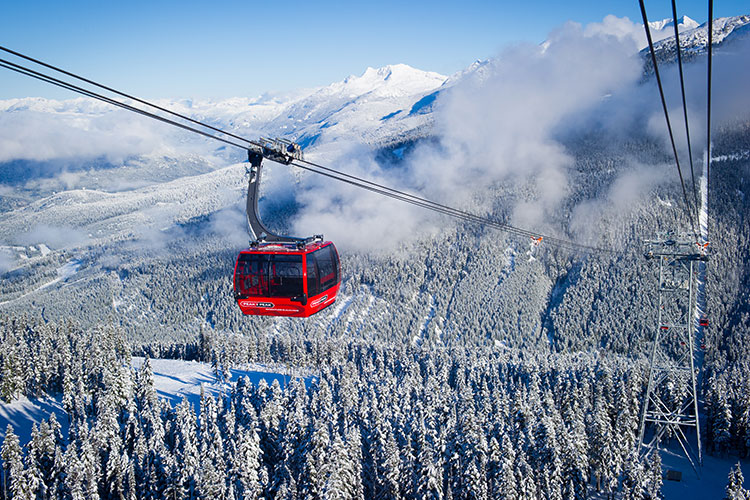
285	248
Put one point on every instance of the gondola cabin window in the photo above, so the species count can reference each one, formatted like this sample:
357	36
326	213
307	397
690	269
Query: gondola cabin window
261	275
327	267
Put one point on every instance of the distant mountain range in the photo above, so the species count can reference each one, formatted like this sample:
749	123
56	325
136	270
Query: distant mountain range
382	107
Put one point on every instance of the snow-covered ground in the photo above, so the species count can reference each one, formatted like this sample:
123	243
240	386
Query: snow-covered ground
63	273
23	413
173	380
710	485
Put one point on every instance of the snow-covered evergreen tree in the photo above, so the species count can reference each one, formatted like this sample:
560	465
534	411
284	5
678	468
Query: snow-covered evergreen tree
212	473
15	481
653	479
634	478
735	489
247	464
318	459
507	487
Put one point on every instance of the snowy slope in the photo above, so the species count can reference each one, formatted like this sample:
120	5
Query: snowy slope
369	107
105	215
709	484
24	413
176	379
349	107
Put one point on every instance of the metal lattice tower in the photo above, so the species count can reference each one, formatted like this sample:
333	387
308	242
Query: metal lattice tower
670	409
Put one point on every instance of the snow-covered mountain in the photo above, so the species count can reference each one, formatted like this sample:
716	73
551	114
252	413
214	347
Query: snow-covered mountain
374	107
370	107
177	179
694	40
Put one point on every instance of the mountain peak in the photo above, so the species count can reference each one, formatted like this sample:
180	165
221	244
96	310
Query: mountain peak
399	71
392	79
688	23
683	23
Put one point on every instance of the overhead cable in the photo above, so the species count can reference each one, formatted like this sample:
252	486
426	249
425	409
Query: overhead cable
68	86
123	94
453	212
684	102
708	106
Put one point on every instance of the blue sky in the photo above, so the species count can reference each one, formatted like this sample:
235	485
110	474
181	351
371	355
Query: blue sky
183	49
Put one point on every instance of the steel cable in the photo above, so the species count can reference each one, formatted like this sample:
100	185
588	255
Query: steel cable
666	115
69	86
708	106
684	102
127	96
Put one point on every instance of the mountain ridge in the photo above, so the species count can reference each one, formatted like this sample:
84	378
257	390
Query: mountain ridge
694	41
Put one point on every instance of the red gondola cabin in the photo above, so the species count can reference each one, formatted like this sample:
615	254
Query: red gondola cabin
285	279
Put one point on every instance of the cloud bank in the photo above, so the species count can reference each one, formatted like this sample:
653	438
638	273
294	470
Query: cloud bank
44	135
496	127
55	237
7	262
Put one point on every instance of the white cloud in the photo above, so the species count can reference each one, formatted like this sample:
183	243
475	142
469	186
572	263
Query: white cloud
622	28
612	211
30	134
630	32
7	262
230	224
354	218
53	236
503	127
638	107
